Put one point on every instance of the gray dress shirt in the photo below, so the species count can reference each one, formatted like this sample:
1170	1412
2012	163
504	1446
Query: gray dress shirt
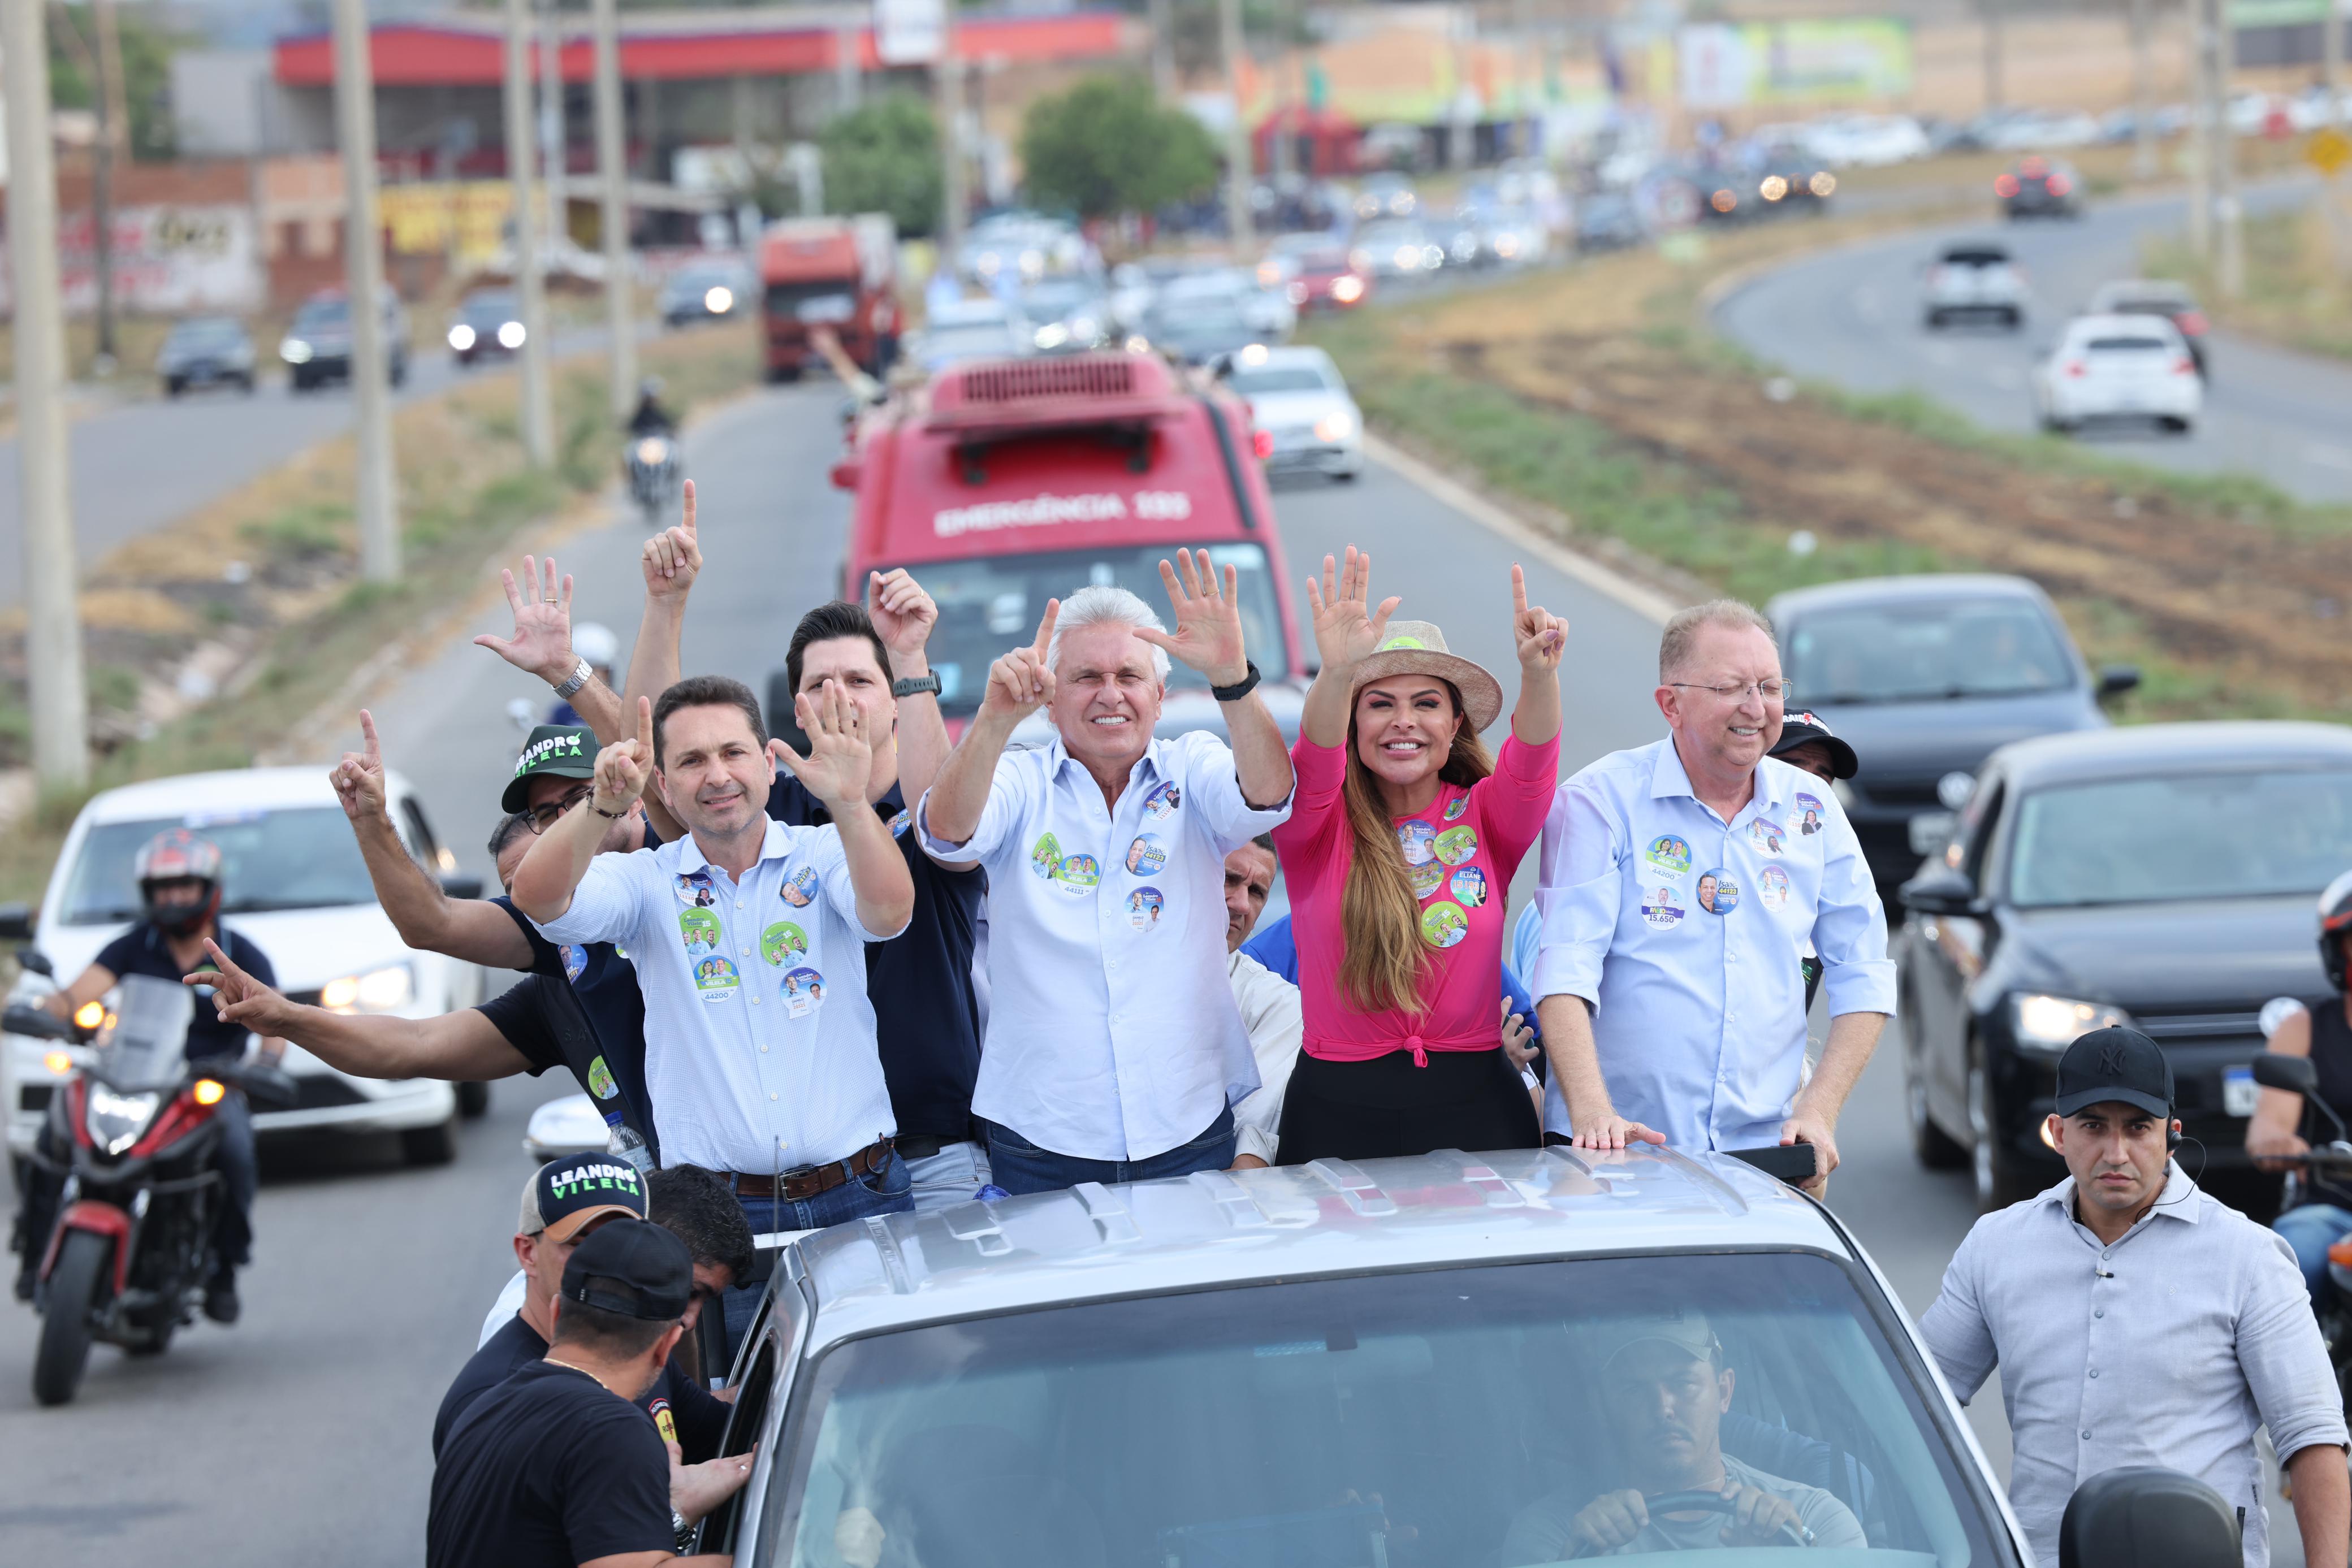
2169	1348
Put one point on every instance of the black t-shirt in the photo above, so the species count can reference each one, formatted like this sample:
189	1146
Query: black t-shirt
925	1008
592	1016
144	950
547	1470
698	1417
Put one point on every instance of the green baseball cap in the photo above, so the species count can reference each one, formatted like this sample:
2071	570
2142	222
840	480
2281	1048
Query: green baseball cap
553	750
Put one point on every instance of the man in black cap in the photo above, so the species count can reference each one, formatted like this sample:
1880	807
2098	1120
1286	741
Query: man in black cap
2137	1320
1806	742
557	1467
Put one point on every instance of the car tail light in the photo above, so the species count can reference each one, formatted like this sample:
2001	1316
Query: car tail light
2005	186
2191	323
2058	184
1723	201
2184	366
1262	443
2076	368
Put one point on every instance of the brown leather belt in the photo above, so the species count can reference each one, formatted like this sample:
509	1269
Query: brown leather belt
793	1186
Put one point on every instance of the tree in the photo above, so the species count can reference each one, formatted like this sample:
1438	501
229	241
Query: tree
1107	147
147	50
885	158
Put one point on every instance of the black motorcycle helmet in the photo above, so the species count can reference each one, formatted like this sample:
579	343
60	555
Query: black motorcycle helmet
2335	921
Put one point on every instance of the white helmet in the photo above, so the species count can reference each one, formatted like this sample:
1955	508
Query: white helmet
596	644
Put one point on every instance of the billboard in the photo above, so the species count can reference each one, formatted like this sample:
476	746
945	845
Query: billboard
169	260
1732	64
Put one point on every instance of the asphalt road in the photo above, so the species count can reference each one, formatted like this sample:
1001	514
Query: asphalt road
1851	317
301	1436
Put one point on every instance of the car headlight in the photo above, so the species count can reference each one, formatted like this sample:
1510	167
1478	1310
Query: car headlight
1052	335
294	352
115	1121
1337	426
720	300
653	452
1347	290
1137	343
373	991
1408	256
461	337
1085	329
2045	1025
511	334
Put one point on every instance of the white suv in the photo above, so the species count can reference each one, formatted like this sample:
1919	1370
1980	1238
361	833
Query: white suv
295	885
1973	282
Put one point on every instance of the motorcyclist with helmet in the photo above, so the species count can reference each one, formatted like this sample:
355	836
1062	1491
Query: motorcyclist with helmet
179	877
2275	1131
651	418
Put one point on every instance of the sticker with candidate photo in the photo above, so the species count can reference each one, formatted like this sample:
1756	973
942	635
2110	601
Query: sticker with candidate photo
1443	924
1045	856
1146	855
1163	800
1455	807
700	929
1143	906
1426	879
1418	839
1718	893
694	888
1469	886
782	942
575	960
1456	845
803	991
1659	908
1810	815
1769	837
1079	873
900	825
1772	887
600	1080
800	888
716	978
1669	854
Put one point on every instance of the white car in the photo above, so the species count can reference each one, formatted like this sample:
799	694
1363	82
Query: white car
972	330
2119	368
1972	282
1298	397
295	885
1266	309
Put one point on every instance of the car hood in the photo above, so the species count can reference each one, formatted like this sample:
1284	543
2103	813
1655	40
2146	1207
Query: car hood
1911	739
2225	955
308	947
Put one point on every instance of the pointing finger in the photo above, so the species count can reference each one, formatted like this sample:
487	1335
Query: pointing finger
686	509
645	730
1518	591
374	747
1045	628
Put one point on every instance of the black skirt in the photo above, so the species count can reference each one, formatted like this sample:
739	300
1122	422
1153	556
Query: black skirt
1467	1100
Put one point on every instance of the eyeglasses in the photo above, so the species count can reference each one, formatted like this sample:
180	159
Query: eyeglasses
1770	691
539	818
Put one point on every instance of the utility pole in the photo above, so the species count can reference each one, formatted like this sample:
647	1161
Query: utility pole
2143	163
947	104
1992	52
52	668
620	302
554	148
2230	232
377	503
1238	136
538	408
113	143
2331	62
1159	14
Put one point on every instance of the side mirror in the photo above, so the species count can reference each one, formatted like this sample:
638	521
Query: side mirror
457	885
15	923
36	961
1940	890
2295	1074
2115	680
2147	1517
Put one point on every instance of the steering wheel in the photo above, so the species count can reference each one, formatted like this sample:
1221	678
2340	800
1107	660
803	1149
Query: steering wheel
1700	1503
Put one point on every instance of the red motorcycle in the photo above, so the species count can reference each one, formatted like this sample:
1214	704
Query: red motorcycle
137	1123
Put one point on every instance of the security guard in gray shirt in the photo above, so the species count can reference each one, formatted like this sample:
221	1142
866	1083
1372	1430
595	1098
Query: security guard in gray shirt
2137	1320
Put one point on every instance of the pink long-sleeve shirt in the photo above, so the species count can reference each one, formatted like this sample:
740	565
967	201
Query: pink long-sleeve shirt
1460	853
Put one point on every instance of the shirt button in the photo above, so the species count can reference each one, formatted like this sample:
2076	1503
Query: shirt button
2098	1312
763	1050
2094	1371
739	904
2086	1434
747	952
771	1094
755	1002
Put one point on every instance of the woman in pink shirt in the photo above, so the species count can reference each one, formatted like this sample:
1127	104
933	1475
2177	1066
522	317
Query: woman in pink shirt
1402	838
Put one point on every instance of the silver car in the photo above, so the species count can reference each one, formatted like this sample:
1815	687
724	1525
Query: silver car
1972	282
206	351
1433	1361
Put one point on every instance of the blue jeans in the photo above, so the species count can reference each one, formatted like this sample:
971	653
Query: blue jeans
885	1189
951	1177
1018	1165
2311	1229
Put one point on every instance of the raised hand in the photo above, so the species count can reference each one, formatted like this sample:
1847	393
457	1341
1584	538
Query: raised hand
622	768
1540	636
240	998
358	778
541	642
840	759
1021	682
672	559
903	614
1208	621
1346	629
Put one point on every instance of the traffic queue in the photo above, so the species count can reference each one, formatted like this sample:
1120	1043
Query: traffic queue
963	1132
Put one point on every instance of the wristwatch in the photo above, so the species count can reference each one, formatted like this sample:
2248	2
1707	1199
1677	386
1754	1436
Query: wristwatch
1240	688
681	1532
580	674
916	685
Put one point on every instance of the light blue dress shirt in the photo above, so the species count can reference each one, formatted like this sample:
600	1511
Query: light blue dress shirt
759	1048
1112	1031
1684	935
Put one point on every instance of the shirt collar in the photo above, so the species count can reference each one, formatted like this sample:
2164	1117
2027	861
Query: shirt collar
1057	757
2175	1202
774	844
1669	779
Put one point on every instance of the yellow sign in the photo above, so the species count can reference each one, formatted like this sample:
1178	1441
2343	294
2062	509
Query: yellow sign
2327	150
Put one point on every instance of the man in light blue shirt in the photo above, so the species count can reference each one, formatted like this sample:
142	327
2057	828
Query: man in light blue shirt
1680	882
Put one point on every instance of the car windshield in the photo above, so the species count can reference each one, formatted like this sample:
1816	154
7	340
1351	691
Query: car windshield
320	313
989	607
1279	379
1200	318
969	338
1056	297
1926	650
301	858
2209	835
1457	1418
207	335
496	309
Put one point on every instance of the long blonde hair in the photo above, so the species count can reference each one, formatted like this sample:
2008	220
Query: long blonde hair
1379	917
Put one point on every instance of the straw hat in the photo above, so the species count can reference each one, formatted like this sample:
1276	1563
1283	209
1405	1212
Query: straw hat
1418	648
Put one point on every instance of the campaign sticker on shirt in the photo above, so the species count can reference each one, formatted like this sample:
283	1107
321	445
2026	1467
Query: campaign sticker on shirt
1810	814
1163	800
700	929
899	823
803	990
1146	855
1469	887
575	960
1718	893
1770	836
716	978
1443	924
600	1080
663	1422
1426	879
782	943
1456	845
1143	906
1418	839
1045	857
1669	854
800	888
1455	807
694	889
1772	887
1659	908
1079	873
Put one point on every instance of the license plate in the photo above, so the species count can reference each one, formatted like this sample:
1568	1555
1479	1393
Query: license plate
1930	832
2239	1091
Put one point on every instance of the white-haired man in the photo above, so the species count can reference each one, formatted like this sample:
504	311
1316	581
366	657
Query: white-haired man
1676	905
1114	1051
